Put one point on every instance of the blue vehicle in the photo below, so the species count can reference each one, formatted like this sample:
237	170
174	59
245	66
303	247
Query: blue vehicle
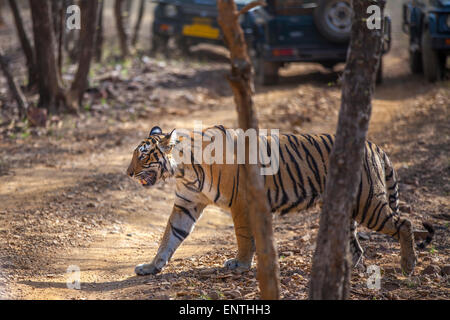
188	22
428	25
301	31
282	32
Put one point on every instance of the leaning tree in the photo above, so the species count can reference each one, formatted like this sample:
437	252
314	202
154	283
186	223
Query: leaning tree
241	82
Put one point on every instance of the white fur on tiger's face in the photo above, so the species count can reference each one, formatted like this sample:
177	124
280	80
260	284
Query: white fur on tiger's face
297	185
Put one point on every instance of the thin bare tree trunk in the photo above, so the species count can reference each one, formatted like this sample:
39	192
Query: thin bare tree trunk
89	13
25	43
331	269
2	20
58	15
121	29
259	213
99	34
13	86
51	93
71	37
138	24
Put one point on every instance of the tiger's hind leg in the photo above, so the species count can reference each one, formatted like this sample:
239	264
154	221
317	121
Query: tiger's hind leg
355	247
384	220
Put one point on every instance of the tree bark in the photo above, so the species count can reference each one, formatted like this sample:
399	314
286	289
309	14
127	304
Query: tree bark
331	269
58	15
121	29
137	26
259	213
13	86
71	37
51	94
2	20
89	13
25	43
99	34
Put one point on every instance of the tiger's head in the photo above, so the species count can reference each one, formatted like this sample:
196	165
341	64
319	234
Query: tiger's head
152	160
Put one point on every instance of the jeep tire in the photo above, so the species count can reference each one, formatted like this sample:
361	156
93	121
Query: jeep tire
433	64
415	62
160	43
265	72
379	78
333	19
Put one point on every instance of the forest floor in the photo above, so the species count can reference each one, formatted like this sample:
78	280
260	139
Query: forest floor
65	199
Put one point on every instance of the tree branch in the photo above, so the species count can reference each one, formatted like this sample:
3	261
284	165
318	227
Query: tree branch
252	5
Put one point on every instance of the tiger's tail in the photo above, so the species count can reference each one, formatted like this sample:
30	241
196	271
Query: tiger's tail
392	192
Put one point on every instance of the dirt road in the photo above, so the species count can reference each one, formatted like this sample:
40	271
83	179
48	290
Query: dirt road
65	199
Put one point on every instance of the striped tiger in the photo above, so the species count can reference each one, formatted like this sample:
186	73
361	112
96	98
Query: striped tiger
297	185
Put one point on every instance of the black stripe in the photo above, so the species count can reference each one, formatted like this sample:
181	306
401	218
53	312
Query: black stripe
237	182
393	186
398	228
373	214
294	182
389	176
378	216
374	163
221	128
218	188
325	144
370	183
232	192
185	211
312	164
178	233
313	195
384	222
181	197
212	177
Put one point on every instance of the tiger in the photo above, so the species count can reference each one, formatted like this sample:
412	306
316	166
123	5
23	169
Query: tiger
298	185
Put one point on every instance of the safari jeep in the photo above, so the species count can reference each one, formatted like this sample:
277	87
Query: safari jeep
282	32
288	31
188	22
427	22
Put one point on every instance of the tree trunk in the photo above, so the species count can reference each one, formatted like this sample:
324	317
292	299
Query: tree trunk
50	88
89	13
58	14
2	20
99	34
331	269
15	89
259	213
137	26
25	43
71	37
121	29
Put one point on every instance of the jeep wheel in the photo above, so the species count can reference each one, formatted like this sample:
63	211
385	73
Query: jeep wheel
159	43
415	62
379	79
183	46
266	72
333	18
431	60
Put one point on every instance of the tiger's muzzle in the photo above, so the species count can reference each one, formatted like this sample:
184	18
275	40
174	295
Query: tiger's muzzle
147	179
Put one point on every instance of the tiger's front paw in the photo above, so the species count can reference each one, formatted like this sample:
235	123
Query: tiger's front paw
146	269
235	264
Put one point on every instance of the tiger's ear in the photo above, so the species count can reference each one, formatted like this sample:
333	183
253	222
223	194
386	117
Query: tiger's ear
169	141
155	130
